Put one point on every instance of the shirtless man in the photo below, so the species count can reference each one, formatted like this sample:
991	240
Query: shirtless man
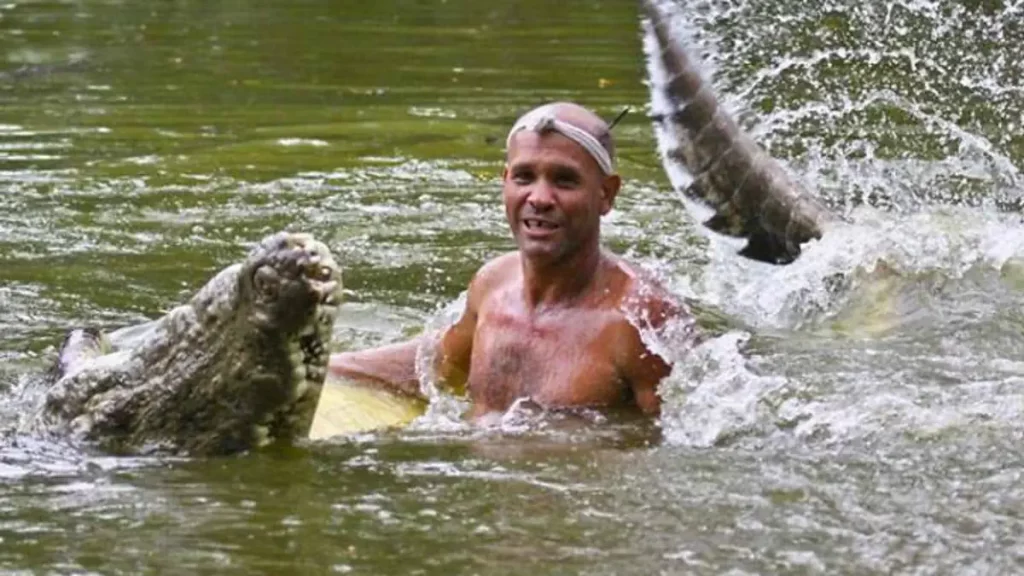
548	321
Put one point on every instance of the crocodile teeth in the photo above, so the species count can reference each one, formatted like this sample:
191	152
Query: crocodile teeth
328	291
317	373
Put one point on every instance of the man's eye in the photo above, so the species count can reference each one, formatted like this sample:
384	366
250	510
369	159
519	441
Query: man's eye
522	178
566	181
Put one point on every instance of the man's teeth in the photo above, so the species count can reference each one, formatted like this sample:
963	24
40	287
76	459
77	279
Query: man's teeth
530	223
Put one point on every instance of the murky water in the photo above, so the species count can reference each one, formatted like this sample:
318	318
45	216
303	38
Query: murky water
869	421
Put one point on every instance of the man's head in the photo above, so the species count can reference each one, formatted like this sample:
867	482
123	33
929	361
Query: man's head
559	180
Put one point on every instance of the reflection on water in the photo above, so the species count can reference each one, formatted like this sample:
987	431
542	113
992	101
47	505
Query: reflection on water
868	421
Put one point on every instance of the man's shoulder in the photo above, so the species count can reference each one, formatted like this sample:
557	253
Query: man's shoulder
496	272
646	295
500	265
498	269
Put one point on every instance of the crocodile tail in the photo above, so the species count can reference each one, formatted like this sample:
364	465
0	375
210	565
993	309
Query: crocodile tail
751	194
79	345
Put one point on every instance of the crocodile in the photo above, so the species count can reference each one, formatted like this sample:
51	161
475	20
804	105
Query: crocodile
238	366
751	194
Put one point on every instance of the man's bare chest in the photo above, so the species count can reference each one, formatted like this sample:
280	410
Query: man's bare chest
558	361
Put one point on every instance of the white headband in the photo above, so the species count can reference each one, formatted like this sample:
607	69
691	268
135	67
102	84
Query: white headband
542	120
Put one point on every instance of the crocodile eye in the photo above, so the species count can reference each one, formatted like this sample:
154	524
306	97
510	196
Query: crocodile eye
267	281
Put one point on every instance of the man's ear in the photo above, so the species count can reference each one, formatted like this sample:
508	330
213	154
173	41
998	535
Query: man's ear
609	190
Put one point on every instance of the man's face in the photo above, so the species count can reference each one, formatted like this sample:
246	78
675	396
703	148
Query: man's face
555	195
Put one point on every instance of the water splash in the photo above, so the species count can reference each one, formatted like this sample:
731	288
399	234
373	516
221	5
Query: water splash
445	410
846	341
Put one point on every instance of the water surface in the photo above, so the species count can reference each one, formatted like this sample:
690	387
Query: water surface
868	420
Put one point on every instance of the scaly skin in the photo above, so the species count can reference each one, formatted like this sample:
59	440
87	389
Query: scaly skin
752	195
237	367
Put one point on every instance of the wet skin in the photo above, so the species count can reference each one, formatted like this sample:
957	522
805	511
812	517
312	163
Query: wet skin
586	353
549	322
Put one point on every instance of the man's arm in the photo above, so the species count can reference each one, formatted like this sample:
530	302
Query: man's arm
455	349
643	369
394	366
646	373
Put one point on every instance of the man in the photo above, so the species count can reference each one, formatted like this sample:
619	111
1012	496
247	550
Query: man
551	321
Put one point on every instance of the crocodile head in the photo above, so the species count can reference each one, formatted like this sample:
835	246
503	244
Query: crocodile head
292	287
240	365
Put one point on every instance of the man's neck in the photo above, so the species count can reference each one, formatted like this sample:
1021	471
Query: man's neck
560	282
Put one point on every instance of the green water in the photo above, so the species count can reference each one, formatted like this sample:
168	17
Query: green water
144	132
144	146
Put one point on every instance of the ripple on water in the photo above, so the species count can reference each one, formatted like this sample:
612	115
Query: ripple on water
865	415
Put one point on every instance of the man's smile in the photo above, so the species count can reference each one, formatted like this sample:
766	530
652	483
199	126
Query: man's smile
539	226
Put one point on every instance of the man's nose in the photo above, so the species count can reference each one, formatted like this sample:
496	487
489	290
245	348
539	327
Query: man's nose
541	195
